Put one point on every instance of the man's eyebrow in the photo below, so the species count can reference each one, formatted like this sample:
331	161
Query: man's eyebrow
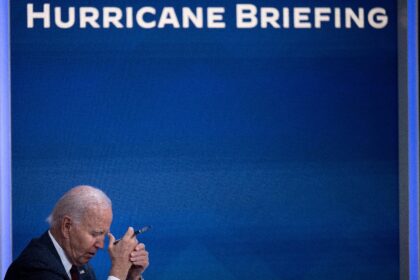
98	231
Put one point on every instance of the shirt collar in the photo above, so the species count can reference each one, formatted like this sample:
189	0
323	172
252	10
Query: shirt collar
66	263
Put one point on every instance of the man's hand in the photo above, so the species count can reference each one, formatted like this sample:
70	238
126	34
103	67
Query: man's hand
120	253
140	260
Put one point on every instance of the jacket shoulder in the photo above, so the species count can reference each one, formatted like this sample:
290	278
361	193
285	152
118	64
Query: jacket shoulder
37	261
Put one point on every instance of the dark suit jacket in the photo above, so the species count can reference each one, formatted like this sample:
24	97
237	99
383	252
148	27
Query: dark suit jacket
40	260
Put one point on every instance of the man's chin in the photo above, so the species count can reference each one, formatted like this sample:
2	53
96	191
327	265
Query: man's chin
89	256
85	259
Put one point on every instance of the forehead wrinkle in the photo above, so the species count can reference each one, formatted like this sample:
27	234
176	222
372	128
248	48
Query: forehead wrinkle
97	219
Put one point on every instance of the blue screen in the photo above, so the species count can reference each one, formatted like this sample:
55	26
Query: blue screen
254	153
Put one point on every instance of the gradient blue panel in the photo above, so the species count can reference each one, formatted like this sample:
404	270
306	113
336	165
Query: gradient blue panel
5	139
413	111
255	154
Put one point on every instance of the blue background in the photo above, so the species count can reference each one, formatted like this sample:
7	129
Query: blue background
255	154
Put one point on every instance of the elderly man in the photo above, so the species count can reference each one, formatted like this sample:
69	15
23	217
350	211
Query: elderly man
79	223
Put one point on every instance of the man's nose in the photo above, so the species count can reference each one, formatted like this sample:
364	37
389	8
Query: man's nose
100	243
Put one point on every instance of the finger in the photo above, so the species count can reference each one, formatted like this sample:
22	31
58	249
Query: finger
129	233
143	263
111	240
139	260
140	247
138	256
139	253
143	255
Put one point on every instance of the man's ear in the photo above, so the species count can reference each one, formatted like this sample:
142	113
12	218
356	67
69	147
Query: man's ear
66	225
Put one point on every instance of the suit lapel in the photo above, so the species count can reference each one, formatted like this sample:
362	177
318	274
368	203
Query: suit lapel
46	240
86	272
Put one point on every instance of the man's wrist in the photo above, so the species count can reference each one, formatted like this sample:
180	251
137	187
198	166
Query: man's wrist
118	274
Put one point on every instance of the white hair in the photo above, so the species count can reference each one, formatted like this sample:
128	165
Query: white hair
76	202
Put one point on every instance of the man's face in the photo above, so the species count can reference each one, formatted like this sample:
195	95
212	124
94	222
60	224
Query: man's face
88	236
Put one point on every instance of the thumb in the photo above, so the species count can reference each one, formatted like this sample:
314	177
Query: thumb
129	233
